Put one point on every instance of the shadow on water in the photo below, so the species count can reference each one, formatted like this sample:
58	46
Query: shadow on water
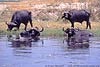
53	52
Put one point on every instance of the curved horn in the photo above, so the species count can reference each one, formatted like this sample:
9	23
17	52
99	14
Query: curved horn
10	23
7	23
39	30
63	29
13	24
42	29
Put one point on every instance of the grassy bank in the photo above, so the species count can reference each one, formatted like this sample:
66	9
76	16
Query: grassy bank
53	28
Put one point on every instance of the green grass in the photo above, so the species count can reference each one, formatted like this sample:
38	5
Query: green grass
52	32
46	32
49	32
96	32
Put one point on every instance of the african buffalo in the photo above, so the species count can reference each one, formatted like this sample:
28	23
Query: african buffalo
22	16
77	37
77	16
70	33
32	33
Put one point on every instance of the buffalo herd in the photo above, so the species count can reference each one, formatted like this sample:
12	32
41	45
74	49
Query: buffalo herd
75	36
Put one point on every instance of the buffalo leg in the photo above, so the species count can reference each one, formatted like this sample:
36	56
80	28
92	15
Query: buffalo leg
89	25
72	24
31	23
25	26
18	27
68	41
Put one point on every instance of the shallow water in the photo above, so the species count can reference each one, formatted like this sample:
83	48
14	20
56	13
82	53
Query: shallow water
53	53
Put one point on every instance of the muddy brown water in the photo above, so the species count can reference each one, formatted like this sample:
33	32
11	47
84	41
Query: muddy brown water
53	53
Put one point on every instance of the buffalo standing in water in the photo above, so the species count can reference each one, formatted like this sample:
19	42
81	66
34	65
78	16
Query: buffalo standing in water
22	16
77	16
26	37
77	38
32	33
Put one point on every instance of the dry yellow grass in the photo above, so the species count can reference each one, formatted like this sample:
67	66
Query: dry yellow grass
25	4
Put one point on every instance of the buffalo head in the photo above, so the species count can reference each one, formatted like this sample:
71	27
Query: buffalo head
10	25
70	32
66	15
35	32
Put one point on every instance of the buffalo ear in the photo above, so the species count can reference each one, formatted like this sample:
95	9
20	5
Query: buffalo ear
63	29
67	30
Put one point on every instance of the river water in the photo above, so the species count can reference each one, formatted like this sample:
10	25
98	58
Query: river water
52	53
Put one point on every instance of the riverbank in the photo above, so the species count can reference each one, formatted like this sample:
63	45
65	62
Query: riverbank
54	28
